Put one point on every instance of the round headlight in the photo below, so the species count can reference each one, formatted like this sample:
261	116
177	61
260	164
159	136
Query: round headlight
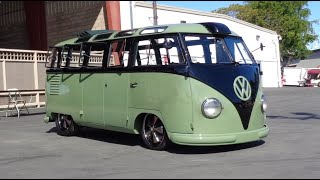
263	104
211	108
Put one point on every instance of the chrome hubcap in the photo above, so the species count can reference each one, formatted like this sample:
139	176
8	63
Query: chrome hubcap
153	130
64	122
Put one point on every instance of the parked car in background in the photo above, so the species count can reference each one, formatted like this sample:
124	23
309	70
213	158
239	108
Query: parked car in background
293	76
314	77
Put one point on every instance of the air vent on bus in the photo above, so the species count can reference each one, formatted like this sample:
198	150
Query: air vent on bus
103	36
126	33
55	84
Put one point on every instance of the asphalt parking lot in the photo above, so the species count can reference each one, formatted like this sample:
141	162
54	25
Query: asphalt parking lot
29	148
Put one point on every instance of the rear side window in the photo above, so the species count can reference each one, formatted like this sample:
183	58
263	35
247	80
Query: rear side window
91	54
119	53
70	56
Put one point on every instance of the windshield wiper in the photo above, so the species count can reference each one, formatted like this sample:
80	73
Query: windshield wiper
235	63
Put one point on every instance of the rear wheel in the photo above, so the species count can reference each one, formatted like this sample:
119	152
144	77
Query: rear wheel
153	133
65	125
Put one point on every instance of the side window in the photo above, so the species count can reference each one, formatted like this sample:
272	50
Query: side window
195	49
70	56
158	51
206	49
92	54
53	57
222	56
146	54
119	54
169	51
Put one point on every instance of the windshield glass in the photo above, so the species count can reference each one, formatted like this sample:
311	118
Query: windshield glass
207	49
238	50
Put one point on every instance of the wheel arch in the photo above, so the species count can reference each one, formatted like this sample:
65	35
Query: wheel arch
138	114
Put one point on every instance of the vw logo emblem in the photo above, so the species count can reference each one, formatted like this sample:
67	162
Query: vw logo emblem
242	88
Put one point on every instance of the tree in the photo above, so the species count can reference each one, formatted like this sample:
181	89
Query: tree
288	18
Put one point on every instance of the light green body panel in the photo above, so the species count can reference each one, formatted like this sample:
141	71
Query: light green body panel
227	128
63	94
169	94
105	100
85	97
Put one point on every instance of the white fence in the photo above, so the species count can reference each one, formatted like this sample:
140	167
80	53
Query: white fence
15	61
25	70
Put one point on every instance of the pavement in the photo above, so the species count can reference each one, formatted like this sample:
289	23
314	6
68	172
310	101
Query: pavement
29	148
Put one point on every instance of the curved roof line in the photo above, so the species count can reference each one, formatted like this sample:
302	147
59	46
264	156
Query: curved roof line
104	35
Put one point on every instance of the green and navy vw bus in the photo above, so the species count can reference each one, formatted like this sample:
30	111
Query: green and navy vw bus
191	84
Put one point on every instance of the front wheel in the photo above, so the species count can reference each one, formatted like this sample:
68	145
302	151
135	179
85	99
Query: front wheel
153	133
65	125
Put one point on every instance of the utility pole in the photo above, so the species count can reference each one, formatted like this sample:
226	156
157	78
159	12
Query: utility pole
155	16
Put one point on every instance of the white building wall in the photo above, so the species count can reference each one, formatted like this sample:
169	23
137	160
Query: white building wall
269	58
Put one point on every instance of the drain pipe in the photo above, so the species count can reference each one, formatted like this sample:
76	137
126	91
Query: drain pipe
131	15
278	64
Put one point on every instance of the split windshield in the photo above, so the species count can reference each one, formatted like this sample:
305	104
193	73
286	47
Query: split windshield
207	49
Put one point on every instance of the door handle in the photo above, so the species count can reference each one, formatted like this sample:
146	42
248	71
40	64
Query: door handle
133	85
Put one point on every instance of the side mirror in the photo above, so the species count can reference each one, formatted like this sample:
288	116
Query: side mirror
261	48
168	44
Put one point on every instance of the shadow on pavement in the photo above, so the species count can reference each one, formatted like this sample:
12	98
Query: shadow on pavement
134	140
106	136
298	115
179	149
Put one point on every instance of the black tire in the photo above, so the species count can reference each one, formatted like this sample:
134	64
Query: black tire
65	125
318	84
153	133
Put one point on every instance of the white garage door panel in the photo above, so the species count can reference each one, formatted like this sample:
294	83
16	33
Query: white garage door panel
270	75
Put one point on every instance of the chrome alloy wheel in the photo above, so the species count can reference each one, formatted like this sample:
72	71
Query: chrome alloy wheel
63	122
65	125
153	133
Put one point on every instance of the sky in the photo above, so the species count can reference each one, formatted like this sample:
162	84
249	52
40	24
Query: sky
208	6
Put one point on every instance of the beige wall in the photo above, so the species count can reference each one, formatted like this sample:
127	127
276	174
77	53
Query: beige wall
13	32
1	77
65	19
20	75
41	75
